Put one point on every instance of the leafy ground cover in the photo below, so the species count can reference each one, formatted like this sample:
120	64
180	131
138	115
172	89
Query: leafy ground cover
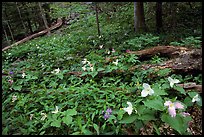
41	96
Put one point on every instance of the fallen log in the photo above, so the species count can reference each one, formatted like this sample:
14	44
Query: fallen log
58	24
191	86
162	51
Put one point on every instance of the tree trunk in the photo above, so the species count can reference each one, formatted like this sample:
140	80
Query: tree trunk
135	16
19	12
140	18
43	17
159	17
97	21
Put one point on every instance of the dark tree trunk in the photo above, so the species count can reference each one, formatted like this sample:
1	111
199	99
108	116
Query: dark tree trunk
159	17
19	12
140	18
97	21
44	18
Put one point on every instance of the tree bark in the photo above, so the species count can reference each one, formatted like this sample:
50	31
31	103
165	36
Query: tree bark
19	12
43	17
159	17
135	16
97	20
140	18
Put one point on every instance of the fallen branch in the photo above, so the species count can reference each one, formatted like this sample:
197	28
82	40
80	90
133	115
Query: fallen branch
191	86
58	24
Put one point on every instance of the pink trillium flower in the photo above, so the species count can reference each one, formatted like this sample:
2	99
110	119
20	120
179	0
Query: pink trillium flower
185	114
172	107
127	51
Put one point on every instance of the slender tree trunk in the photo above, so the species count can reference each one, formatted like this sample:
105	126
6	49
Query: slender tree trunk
6	36
19	12
43	17
135	16
159	17
97	21
10	31
140	19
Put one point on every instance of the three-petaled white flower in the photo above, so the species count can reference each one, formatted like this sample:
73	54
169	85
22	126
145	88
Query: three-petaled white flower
56	71
147	90
101	46
14	98
56	110
31	116
23	75
129	108
115	62
172	107
84	61
43	116
172	81
84	68
195	98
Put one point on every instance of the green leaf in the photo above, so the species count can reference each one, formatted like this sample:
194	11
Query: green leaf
147	117
67	120
42	133
17	87
188	101
156	129
93	74
96	128
157	90
56	123
180	89
100	69
60	75
128	119
70	112
179	123
76	133
157	103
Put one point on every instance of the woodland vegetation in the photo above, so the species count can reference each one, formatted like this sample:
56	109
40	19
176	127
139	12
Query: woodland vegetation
101	68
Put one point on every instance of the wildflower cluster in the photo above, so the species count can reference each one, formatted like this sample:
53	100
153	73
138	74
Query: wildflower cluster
107	113
87	65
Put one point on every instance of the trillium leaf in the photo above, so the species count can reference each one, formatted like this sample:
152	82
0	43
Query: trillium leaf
156	103
179	123
17	87
56	123
180	89
147	117
67	120
70	112
128	119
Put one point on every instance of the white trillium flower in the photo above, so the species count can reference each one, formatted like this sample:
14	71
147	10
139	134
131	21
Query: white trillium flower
147	90
84	61
101	46
172	81
56	71
115	62
56	110
195	98
14	98
88	62
129	108
23	75
108	52
31	116
84	68
43	116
